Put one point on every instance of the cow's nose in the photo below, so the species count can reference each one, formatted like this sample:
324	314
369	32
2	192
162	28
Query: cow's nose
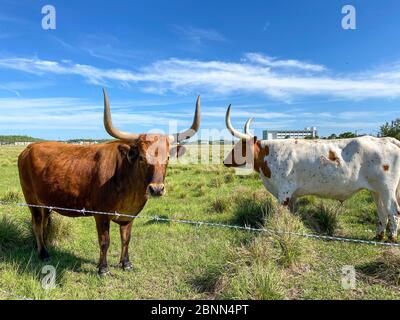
156	190
227	163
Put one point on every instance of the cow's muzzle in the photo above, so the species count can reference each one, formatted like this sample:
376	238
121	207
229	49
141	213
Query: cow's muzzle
156	189
228	163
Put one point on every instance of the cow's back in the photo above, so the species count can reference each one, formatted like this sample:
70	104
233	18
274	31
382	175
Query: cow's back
58	174
333	168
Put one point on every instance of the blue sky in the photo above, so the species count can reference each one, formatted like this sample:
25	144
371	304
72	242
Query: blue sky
288	64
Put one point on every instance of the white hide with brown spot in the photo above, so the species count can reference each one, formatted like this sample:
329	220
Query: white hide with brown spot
337	169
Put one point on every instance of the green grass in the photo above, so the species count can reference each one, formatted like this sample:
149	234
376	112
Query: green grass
322	216
177	261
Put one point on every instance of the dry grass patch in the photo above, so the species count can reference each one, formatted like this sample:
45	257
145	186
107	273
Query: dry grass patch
219	205
252	209
385	269
12	196
258	269
59	229
13	233
254	282
323	217
285	227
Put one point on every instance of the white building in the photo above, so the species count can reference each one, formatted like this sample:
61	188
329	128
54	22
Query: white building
290	134
22	143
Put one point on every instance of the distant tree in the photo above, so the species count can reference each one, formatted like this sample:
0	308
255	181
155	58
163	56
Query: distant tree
332	136
343	135
346	135
391	129
87	140
12	139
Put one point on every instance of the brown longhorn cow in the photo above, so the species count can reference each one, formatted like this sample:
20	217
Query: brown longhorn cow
117	176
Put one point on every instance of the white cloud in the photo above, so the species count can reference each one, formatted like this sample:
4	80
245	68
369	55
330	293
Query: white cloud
220	113
275	63
67	113
284	80
362	125
229	78
42	67
199	35
73	117
11	19
15	86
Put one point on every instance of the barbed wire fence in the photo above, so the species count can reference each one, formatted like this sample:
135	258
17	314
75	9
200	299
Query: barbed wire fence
117	215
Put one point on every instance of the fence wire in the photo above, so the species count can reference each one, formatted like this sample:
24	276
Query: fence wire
118	215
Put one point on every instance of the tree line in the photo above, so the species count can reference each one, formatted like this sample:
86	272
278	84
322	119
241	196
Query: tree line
389	129
16	138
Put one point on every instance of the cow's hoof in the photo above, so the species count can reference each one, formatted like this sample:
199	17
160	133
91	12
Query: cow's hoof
103	272
126	266
44	256
379	236
392	239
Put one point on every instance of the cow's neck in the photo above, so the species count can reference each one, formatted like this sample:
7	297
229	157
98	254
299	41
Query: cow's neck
260	164
131	188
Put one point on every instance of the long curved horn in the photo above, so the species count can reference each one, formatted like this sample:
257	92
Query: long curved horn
184	135
247	127
109	126
233	131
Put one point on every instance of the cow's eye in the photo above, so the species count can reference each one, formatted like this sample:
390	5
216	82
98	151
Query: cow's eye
141	158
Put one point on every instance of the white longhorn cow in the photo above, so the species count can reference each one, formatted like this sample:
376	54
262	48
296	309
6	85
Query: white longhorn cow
334	169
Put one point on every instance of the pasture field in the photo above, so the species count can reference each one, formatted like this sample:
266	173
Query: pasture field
178	261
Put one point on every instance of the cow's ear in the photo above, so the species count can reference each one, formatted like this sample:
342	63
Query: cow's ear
177	151
129	152
133	154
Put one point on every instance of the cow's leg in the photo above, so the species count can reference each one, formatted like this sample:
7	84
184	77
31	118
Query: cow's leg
285	195
46	224
292	204
393	210
382	217
103	232
393	220
125	232
38	230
